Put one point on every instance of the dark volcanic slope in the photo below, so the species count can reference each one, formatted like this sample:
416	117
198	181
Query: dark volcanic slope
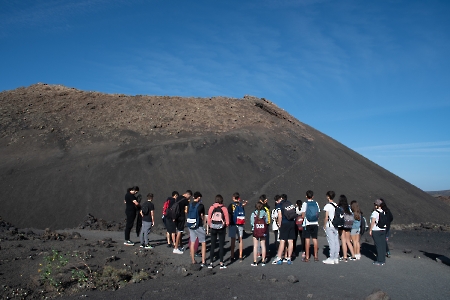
66	153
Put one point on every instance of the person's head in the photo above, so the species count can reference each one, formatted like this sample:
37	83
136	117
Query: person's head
277	199
175	194
309	194
299	203
283	197
187	194
378	203
330	195
197	196
136	189
383	205
259	205
236	197
219	199
263	198
355	209
149	196
343	203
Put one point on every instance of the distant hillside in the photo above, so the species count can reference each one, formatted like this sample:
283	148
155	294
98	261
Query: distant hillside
65	153
439	193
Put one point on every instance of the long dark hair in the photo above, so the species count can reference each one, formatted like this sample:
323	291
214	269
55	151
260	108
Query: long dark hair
344	204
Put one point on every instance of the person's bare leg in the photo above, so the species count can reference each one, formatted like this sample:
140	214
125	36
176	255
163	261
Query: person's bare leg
290	248
280	249
232	244
263	250
255	249
191	250
316	249
241	247
307	243
203	253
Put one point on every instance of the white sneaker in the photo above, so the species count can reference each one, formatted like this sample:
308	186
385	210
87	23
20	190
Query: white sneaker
177	251
328	261
336	261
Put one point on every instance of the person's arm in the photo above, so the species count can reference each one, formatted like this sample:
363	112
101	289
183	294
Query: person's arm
153	217
325	220
227	218
279	218
372	224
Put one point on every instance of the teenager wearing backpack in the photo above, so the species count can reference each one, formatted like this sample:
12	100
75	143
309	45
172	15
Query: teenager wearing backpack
131	205
355	232
331	231
274	216
180	220
259	221
286	223
165	218
237	215
263	200
218	221
170	224
390	218
195	221
148	221
345	232
310	212
378	233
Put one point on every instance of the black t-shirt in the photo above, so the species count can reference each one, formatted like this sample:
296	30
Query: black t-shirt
129	198
183	203
147	207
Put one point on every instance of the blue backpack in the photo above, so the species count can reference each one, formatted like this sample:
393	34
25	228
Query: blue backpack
193	218
312	211
239	215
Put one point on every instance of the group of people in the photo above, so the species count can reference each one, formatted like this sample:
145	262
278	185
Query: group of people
342	221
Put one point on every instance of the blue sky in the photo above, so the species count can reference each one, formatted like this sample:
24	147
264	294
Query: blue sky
374	75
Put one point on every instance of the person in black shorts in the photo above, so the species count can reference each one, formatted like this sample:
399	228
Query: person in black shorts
183	202
287	233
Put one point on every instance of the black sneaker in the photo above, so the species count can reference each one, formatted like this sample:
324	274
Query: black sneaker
128	243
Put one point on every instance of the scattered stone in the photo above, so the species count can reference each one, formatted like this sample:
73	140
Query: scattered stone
407	251
273	280
378	295
262	277
111	258
292	279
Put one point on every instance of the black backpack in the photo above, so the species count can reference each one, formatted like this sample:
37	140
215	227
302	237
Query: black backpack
382	219
289	210
338	220
174	210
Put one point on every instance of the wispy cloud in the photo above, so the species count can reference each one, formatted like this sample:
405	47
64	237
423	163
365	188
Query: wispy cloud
442	147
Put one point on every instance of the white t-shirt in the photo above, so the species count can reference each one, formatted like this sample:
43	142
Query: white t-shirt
375	215
303	210
274	219
331	210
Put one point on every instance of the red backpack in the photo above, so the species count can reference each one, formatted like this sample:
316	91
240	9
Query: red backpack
166	207
299	222
259	226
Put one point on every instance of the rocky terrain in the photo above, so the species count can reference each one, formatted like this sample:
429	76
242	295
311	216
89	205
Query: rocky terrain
67	157
66	153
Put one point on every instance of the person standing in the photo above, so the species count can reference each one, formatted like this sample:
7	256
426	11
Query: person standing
331	232
390	218
310	211
218	220
275	228
131	205
259	219
197	231
236	231
286	223
180	220
355	232
346	232
148	221
378	233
